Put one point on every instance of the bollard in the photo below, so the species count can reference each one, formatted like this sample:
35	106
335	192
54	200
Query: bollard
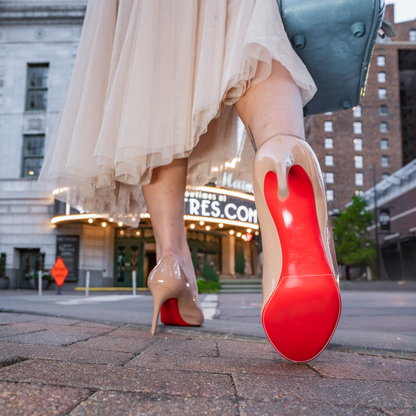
87	284
134	282
40	282
133	273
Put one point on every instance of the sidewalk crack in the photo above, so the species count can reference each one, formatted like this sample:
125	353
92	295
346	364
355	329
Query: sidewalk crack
236	399
92	392
11	361
315	370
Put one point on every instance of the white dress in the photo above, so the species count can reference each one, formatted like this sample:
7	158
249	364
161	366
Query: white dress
156	80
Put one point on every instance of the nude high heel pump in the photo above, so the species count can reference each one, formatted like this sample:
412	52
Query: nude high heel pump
301	299
173	296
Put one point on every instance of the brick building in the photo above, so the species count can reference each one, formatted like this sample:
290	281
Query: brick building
381	131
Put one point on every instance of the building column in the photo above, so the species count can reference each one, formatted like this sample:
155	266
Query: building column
228	255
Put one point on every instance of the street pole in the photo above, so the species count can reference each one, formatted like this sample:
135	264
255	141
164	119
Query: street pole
376	218
134	282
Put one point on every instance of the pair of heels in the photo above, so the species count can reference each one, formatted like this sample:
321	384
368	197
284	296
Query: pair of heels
301	300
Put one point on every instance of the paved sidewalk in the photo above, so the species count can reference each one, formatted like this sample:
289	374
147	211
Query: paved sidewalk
56	366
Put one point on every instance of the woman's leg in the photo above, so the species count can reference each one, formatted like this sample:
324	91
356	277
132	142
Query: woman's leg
272	106
165	199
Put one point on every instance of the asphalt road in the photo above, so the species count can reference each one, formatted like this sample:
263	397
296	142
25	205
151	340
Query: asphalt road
371	320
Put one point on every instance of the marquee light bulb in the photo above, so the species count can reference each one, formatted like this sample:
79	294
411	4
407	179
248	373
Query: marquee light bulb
249	230
221	225
238	234
90	220
207	227
201	222
104	224
192	226
231	232
120	224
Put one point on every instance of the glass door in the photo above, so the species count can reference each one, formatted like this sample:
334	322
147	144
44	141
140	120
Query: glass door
29	263
129	257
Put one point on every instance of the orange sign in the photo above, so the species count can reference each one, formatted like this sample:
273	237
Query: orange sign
59	272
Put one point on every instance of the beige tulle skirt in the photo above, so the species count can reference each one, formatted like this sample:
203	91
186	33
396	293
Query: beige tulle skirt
156	80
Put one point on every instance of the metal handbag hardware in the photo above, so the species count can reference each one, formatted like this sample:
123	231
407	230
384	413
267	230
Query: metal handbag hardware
335	40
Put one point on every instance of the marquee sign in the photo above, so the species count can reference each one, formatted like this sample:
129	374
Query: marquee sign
220	204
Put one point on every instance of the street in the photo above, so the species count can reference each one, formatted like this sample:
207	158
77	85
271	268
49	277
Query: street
370	320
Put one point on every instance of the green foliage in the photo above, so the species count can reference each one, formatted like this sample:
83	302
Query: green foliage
33	274
207	286
209	273
352	243
240	262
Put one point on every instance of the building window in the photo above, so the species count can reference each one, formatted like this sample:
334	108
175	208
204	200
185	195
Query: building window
359	179
381	60
381	77
412	35
329	160
358	162
382	93
384	127
37	87
329	177
385	175
33	148
358	145
385	162
383	110
356	111
329	143
358	127
328	126
329	113
384	144
359	192
330	194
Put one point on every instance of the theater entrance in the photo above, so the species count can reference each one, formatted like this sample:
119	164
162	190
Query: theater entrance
129	257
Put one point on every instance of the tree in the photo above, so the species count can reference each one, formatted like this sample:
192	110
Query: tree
209	272
353	245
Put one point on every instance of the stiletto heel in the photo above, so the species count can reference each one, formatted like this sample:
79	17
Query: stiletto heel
301	300
173	296
160	295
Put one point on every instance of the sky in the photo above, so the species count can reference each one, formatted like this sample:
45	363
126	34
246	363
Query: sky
404	10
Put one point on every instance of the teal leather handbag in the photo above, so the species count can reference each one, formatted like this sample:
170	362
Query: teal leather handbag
335	40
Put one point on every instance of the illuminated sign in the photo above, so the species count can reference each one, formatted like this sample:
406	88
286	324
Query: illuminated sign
204	203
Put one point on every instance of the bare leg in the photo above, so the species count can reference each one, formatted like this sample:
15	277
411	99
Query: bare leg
166	204
272	106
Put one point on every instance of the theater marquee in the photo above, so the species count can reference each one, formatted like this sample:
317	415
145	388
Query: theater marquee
220	204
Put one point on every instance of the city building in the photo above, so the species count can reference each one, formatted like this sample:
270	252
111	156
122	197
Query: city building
38	46
381	131
395	199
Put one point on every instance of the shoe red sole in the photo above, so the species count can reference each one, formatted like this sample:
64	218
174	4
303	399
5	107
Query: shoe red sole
169	313
302	314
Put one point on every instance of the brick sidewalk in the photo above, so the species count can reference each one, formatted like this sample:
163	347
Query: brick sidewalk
55	366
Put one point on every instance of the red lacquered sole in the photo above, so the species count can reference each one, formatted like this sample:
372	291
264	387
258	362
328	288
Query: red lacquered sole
301	315
169	313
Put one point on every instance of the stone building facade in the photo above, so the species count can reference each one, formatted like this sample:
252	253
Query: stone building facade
380	132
